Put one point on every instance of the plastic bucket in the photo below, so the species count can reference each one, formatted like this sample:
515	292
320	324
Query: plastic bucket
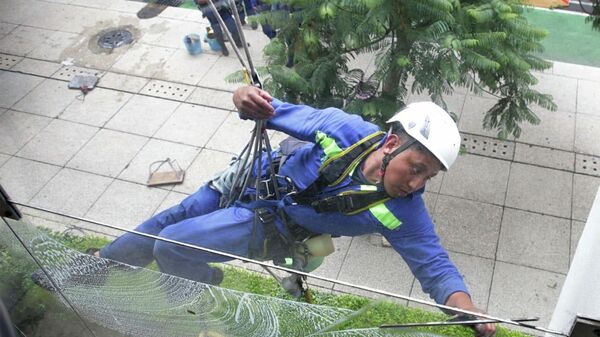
193	44
213	44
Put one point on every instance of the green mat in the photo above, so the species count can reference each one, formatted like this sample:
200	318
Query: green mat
569	38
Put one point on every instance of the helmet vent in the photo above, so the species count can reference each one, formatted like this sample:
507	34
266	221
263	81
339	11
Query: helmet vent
486	146
587	164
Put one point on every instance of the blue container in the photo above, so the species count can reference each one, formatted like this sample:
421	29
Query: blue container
193	44
212	43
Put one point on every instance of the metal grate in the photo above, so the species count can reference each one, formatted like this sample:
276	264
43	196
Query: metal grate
7	61
587	164
487	146
68	72
164	89
115	38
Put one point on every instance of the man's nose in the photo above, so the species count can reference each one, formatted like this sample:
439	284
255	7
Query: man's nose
416	183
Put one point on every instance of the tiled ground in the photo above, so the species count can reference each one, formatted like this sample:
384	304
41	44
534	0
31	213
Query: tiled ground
510	213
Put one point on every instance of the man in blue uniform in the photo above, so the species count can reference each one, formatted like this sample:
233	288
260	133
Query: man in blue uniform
376	187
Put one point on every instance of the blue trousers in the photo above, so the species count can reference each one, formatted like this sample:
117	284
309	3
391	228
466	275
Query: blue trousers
197	220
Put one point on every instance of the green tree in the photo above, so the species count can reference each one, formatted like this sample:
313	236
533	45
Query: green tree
429	46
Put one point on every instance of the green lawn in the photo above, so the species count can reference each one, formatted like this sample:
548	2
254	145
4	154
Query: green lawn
569	38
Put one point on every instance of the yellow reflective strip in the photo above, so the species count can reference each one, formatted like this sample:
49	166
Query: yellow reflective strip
328	144
368	188
385	216
342	153
353	165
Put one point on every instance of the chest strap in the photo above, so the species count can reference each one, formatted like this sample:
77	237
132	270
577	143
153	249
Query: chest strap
350	202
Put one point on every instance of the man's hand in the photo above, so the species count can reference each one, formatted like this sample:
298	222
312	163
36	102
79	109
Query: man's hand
463	301
253	102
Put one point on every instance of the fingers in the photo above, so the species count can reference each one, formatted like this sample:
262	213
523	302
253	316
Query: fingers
485	330
254	102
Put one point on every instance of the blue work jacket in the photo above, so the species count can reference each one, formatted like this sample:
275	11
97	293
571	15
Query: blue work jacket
410	231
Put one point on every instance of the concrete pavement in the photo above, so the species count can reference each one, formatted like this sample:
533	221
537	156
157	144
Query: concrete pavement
509	212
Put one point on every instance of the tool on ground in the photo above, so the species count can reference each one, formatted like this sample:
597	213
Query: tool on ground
173	176
85	83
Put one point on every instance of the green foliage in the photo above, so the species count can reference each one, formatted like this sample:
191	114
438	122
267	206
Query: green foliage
441	44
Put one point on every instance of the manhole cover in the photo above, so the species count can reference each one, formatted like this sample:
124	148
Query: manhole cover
115	38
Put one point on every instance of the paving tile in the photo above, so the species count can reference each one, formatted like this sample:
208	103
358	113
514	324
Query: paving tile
172	33
232	135
358	268
142	60
584	191
332	264
58	142
215	77
126	6
430	200
471	118
487	146
576	70
155	150
168	90
556	130
142	115
587	131
122	82
172	199
65	18
192	124
54	48
588	99
477	178
14	86
534	240
17	128
563	90
213	98
68	72
22	178
539	189
71	192
36	67
519	291
477	273
108	153
205	167
98	107
13	11
126	204
543	156
174	13
185	68
576	230
586	164
4	158
8	61
466	226
6	28
23	40
49	98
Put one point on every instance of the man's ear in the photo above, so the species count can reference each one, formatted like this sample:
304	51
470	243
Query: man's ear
392	142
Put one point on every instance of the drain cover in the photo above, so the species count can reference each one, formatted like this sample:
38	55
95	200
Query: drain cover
115	38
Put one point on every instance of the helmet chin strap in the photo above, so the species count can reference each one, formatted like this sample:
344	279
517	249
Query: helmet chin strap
388	157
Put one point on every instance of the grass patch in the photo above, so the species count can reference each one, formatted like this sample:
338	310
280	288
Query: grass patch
15	274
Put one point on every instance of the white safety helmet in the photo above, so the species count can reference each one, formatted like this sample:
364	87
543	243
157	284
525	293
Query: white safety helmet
433	127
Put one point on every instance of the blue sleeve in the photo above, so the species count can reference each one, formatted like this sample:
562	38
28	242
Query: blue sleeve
420	247
302	122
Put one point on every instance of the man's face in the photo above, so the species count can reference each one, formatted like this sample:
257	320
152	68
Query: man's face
409	171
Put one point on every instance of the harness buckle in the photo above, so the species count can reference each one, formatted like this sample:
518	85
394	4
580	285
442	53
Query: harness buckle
267	188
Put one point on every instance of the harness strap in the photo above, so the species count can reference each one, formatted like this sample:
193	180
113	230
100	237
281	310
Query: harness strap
350	202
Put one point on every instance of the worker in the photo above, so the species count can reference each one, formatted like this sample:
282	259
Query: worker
226	14
348	179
